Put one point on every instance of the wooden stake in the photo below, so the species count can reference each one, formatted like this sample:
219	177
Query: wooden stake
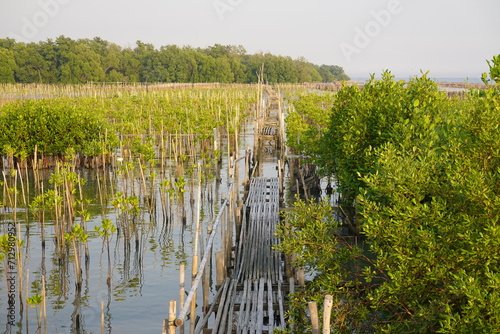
327	313
313	310
171	317
182	290
301	276
192	318
219	260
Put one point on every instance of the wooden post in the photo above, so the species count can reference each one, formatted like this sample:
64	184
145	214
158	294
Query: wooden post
292	290
192	318
164	326
231	166
171	317
291	170
195	252
182	285
313	310
301	173
206	289
327	313
219	260
301	276
247	166
280	176
216	139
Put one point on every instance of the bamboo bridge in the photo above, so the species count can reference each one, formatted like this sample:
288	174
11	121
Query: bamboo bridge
252	282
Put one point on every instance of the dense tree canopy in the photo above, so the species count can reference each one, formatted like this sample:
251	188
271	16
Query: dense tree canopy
423	172
68	61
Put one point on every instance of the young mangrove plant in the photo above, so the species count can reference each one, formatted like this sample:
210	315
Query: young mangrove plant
105	231
35	301
76	236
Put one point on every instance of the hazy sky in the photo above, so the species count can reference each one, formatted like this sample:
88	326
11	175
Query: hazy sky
449	38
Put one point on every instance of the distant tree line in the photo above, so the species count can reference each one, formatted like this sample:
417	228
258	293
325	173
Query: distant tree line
69	61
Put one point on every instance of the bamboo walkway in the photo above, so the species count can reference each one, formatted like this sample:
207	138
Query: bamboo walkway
251	296
252	301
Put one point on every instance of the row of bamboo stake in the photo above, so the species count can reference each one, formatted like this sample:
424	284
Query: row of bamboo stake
200	270
327	311
228	286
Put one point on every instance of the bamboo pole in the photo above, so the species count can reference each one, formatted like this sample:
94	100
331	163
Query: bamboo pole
313	310
206	290
164	326
182	289
327	313
192	293
211	309
172	309
195	252
219	260
193	301
301	276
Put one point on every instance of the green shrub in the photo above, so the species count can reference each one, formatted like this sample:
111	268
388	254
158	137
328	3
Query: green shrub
53	126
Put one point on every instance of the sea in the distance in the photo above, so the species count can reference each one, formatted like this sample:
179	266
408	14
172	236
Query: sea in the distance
440	79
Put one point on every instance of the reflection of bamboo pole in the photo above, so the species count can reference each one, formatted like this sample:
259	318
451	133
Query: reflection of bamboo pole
44	305
102	317
27	292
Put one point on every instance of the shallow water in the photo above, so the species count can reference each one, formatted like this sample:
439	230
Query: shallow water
144	277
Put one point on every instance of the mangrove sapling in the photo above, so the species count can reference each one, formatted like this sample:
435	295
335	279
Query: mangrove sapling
6	190
128	208
84	214
35	301
18	234
5	249
76	236
46	201
179	184
105	231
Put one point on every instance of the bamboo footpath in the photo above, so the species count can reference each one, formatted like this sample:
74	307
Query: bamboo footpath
251	288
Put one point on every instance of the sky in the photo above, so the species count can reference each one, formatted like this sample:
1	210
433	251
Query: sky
448	38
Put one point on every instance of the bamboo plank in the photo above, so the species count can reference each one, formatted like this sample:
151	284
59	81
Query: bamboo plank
270	311
218	318
242	325
260	306
225	311
281	308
